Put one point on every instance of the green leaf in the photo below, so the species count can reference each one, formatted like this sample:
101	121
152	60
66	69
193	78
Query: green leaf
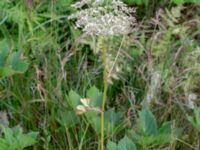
126	144
15	139
73	99
95	120
3	144
147	122
195	121
6	71
4	51
18	65
192	121
138	2
11	63
146	2
136	52
198	26
9	136
111	145
28	139
64	5
197	115
112	121
178	1
153	140
95	95
112	116
165	128
96	123
67	118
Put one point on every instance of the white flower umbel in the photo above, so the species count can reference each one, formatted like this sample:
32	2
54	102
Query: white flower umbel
104	19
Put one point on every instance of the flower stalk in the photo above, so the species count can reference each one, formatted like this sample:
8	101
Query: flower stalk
105	87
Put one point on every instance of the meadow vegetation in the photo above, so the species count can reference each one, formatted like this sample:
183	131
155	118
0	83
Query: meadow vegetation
69	82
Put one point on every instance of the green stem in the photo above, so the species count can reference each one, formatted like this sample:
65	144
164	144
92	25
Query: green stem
104	50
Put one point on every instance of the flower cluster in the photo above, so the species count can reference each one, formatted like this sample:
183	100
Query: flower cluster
100	18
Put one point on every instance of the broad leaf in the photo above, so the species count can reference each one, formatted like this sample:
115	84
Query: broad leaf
165	128
17	63
95	95
153	140
11	62
126	144
112	121
96	123
15	139
4	51
73	99
195	121
28	139
111	145
67	118
3	144
6	71
178	1
147	122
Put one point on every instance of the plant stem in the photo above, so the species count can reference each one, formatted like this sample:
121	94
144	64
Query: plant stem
104	50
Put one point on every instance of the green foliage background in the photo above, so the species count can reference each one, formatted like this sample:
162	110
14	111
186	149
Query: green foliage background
46	66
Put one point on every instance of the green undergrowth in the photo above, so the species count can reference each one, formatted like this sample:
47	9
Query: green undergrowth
51	79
